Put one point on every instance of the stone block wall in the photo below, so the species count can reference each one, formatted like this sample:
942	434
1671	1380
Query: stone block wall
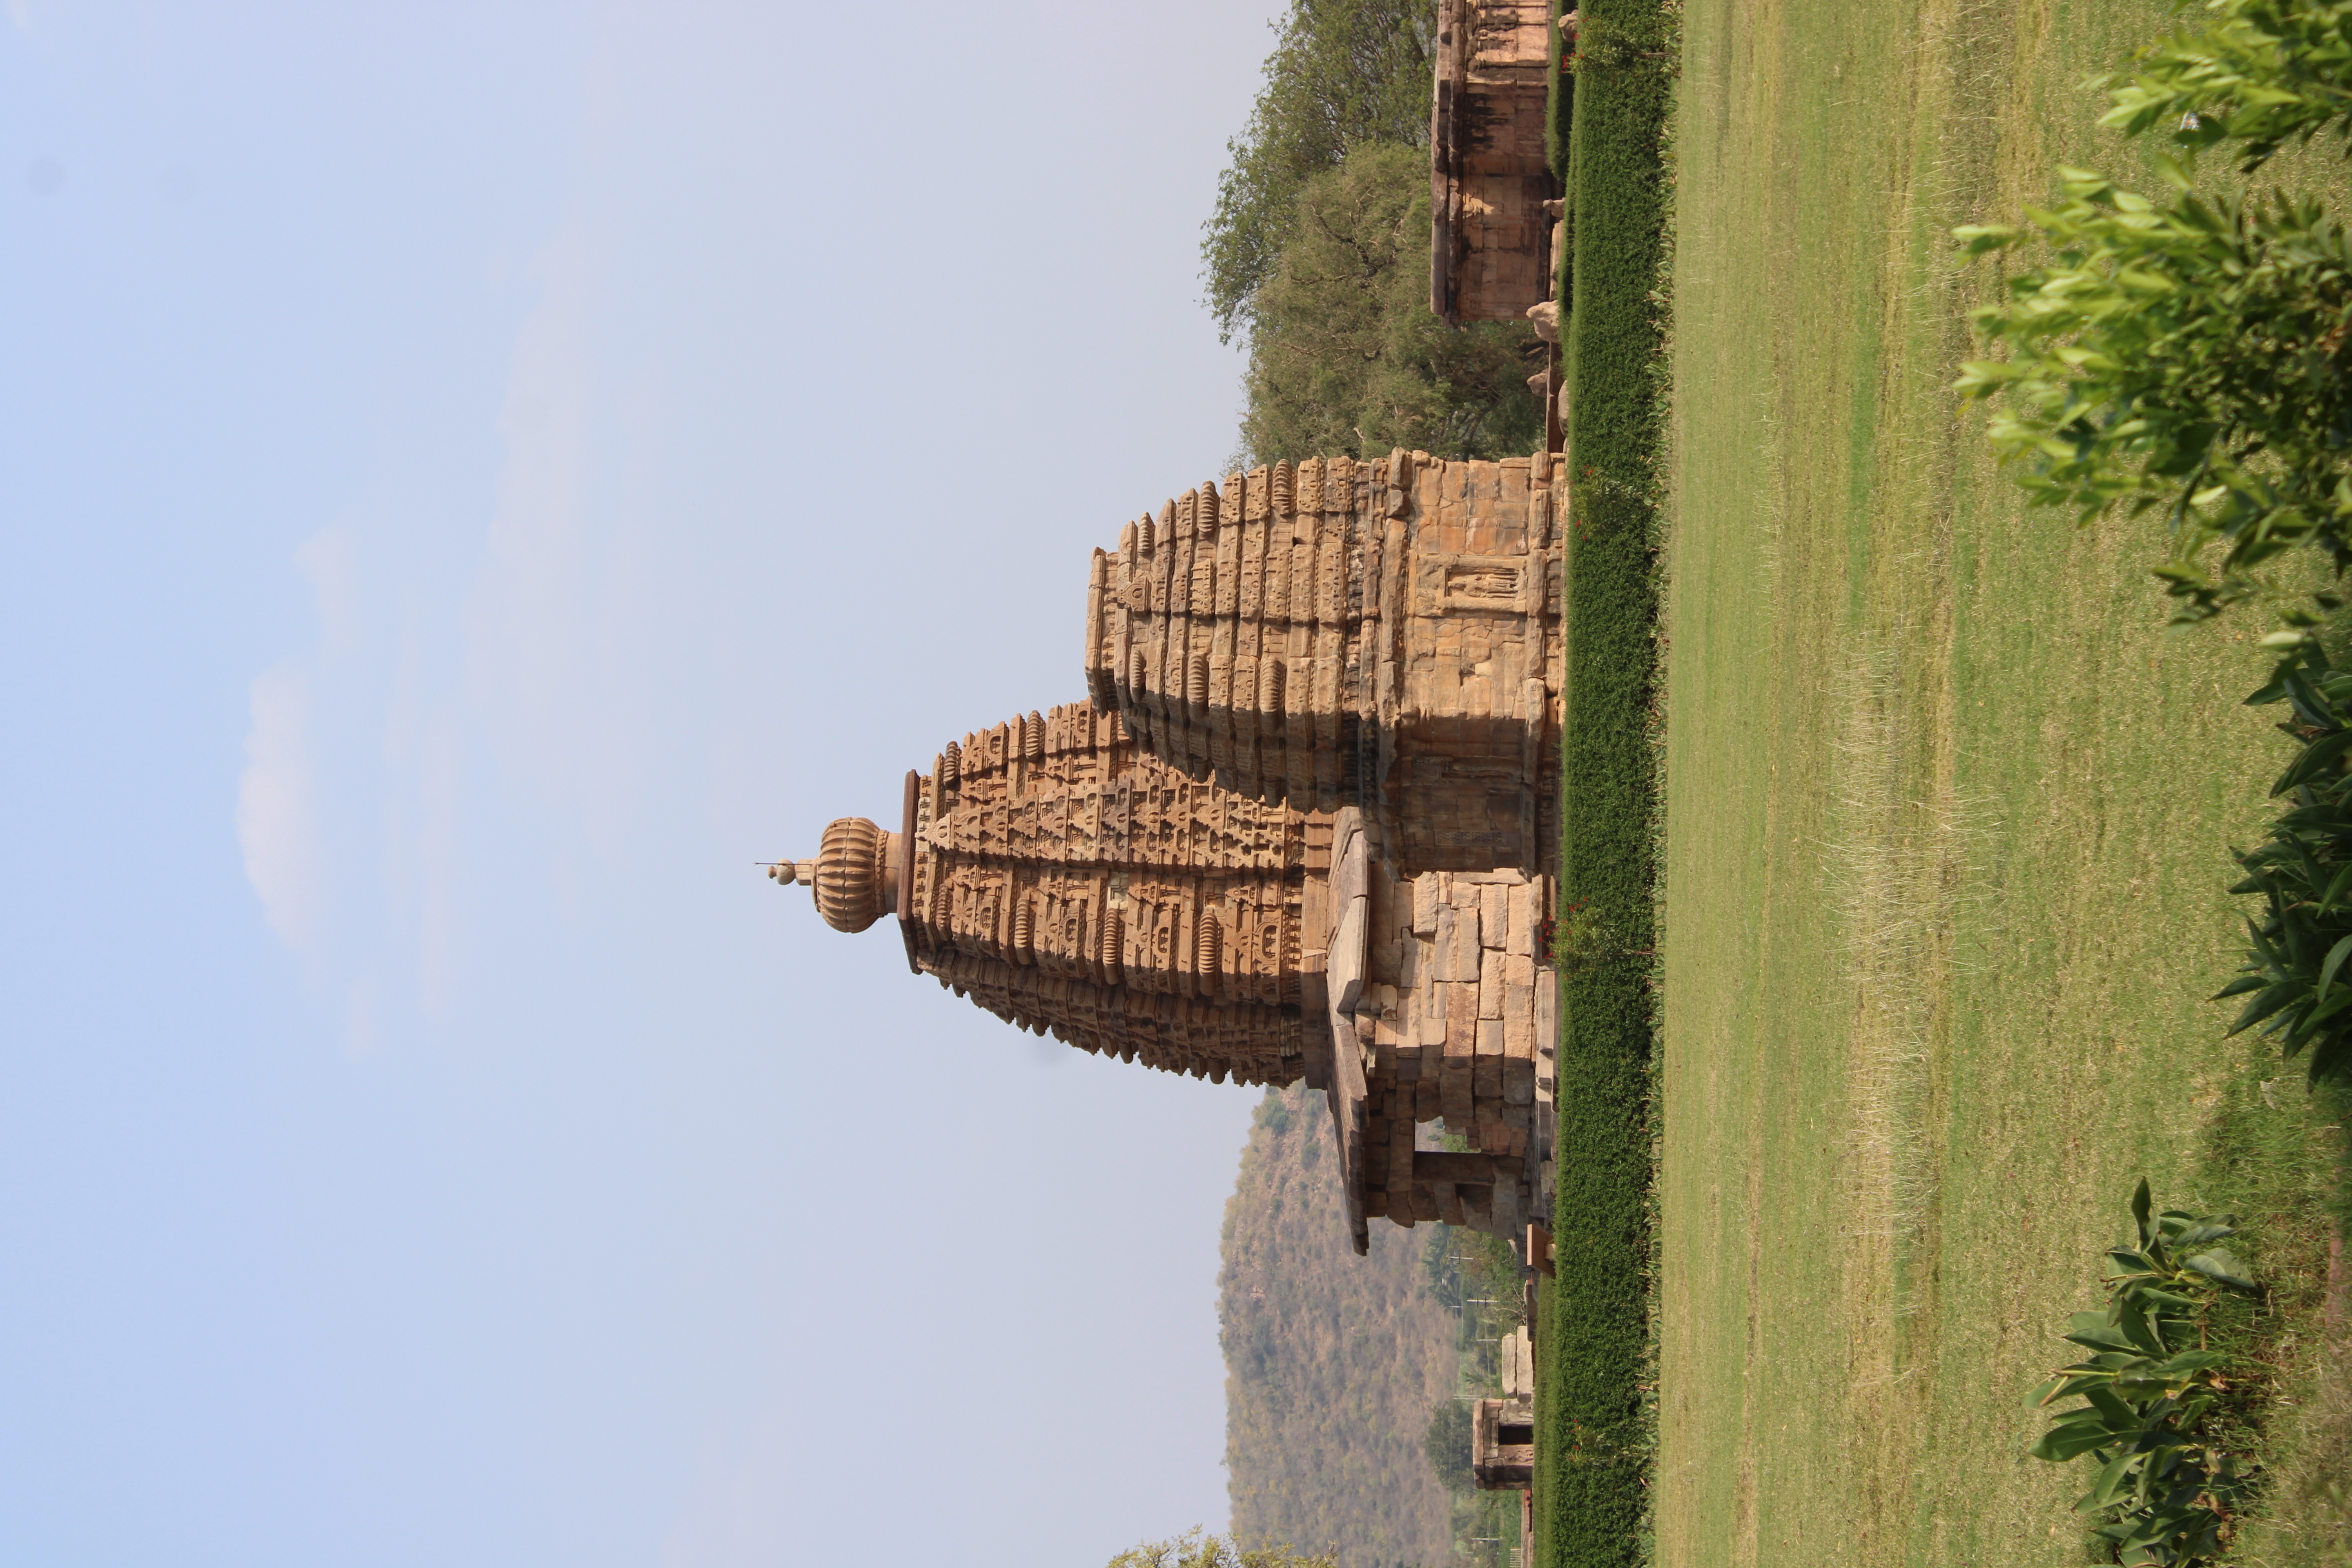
1441	1001
1503	1443
1458	1015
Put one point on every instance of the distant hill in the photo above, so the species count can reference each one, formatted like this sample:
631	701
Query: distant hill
1333	1362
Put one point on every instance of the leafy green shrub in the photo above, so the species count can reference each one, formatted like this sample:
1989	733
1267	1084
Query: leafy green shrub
1198	1549
2296	977
2164	1493
1447	1444
2260	73
2193	356
1344	353
1343	73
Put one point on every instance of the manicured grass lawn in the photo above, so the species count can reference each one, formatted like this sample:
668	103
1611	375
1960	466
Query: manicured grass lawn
1947	813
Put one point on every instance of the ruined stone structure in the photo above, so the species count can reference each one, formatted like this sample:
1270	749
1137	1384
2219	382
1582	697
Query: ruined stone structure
1503	1443
1300	831
1488	180
1438	1007
1502	1431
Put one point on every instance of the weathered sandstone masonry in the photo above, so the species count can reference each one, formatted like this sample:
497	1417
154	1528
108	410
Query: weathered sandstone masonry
1439	1006
1383	635
1502	1431
1075	886
1490	251
1300	830
1503	1443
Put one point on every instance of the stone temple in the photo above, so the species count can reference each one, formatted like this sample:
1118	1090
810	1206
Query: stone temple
1301	826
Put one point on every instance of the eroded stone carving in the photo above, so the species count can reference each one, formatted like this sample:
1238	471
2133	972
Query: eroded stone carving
1381	635
1075	886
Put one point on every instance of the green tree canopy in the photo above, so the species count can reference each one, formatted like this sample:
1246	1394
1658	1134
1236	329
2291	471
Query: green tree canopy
2194	359
1447	1444
1345	356
1196	1549
1343	73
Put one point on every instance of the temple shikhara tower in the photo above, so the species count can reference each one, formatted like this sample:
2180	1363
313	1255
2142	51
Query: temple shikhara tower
1299	828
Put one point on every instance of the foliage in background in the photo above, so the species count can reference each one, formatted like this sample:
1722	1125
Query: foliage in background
1470	1269
2298	984
1481	1277
1345	356
1319	256
2164	1493
1594	1437
1333	1362
1196	1549
2191	357
1343	73
1447	1444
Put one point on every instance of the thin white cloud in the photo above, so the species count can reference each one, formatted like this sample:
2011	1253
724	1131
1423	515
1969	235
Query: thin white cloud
278	794
431	849
527	614
535	701
277	818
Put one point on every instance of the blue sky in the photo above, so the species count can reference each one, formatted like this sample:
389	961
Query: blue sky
473	479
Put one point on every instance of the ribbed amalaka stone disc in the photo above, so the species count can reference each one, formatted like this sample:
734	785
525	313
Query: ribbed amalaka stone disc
850	874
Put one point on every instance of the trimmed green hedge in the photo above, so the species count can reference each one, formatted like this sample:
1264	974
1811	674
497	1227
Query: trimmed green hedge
1593	1440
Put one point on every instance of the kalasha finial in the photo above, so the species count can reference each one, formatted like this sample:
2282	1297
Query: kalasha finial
853	875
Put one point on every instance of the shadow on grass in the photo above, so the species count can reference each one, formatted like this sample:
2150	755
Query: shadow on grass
2275	1154
2273	1150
